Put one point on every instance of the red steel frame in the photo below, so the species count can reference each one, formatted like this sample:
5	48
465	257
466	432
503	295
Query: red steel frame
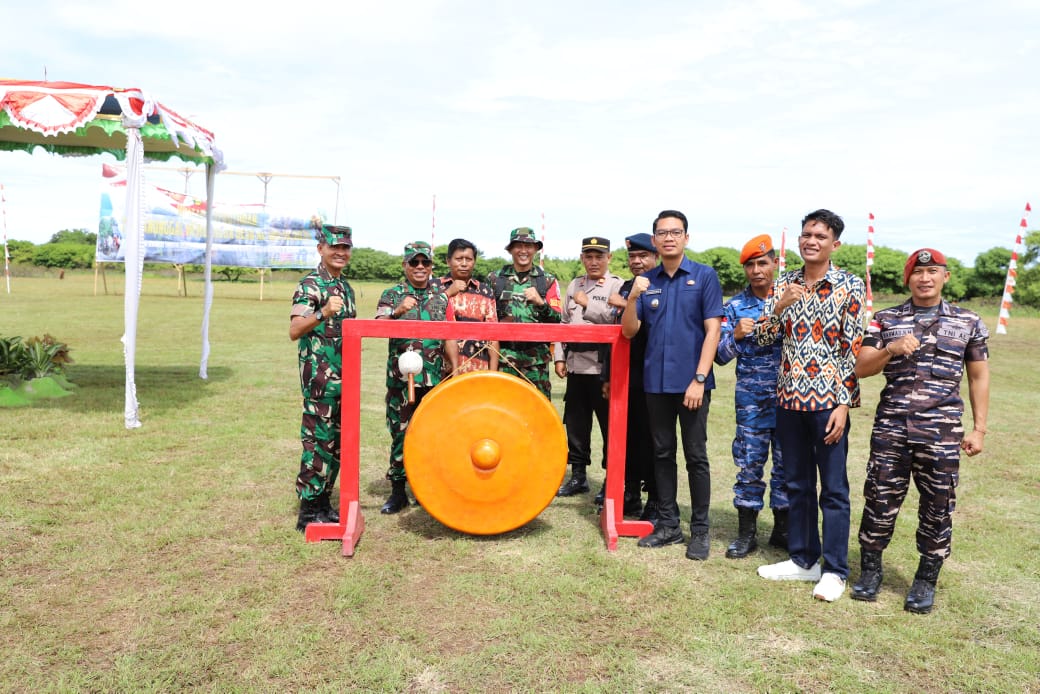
352	521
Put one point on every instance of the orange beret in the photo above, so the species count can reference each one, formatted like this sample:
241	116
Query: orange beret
760	245
923	257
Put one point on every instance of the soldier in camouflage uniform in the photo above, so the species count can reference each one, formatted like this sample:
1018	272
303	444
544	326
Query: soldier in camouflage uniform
415	298
524	293
923	346
755	401
322	300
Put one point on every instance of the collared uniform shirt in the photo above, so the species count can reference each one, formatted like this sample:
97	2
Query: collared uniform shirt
821	334
431	304
476	305
583	357
757	365
674	310
320	350
922	390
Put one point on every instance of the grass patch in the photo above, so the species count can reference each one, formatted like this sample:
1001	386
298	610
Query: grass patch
165	558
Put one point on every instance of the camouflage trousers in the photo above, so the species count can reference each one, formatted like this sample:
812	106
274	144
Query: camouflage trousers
934	468
750	451
320	436
528	367
398	414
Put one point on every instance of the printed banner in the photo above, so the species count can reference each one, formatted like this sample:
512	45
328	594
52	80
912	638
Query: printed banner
175	230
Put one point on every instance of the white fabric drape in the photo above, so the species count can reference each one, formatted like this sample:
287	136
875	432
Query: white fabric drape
211	175
134	245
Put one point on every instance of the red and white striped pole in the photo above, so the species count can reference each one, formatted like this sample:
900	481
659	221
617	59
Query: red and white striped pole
782	264
1012	276
870	264
541	256
433	222
7	257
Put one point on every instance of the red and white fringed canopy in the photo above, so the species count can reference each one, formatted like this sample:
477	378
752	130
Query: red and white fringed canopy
80	119
68	118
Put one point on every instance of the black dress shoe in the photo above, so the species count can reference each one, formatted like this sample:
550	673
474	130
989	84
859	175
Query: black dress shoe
573	487
394	503
662	536
633	505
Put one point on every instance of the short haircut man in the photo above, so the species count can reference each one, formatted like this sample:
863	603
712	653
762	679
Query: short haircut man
472	301
680	302
815	311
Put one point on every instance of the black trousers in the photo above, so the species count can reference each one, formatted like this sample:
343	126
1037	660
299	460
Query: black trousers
583	399
663	410
639	447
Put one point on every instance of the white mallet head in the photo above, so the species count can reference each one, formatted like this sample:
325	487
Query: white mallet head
410	362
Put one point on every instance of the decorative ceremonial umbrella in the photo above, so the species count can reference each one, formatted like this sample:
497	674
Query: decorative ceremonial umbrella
79	119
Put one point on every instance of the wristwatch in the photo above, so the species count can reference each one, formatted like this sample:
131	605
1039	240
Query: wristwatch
700	378
320	315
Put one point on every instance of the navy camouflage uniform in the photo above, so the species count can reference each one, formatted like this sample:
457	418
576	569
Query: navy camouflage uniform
431	304
917	428
755	400
528	360
321	365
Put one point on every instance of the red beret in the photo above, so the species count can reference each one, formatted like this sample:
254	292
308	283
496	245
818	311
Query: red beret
922	257
760	245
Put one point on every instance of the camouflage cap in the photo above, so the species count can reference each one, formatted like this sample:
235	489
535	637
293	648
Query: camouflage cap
523	235
417	248
333	235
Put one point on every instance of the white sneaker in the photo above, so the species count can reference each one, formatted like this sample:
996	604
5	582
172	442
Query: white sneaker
789	571
830	588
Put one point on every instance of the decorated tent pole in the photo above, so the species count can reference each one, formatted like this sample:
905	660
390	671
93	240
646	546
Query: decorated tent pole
782	258
541	255
7	256
1012	276
870	265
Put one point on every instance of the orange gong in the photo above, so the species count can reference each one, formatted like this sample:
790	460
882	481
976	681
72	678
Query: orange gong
485	452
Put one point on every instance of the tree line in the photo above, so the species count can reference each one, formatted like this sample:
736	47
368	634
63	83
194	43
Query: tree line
74	248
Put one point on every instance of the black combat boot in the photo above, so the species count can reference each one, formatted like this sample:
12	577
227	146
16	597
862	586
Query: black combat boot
921	597
778	538
309	513
577	484
601	495
397	500
327	514
746	542
870	575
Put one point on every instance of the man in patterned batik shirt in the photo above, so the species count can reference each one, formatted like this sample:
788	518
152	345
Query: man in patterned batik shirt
815	311
472	301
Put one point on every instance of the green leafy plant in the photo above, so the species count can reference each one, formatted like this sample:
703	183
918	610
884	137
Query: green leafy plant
32	358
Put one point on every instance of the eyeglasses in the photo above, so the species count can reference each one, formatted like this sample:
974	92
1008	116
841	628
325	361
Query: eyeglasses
668	233
416	262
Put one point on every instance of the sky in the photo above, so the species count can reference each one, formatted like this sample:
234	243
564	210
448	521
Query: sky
591	116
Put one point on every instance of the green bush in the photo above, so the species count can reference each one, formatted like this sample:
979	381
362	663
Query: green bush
64	255
33	358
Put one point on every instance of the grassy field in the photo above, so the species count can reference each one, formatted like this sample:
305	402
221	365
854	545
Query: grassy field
165	558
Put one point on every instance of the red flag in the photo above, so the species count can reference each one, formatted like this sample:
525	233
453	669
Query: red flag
872	215
1022	223
1028	208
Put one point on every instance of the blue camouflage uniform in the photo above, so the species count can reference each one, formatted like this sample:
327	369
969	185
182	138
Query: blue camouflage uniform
757	366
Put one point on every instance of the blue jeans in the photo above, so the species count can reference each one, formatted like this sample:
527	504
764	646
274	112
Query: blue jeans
805	454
